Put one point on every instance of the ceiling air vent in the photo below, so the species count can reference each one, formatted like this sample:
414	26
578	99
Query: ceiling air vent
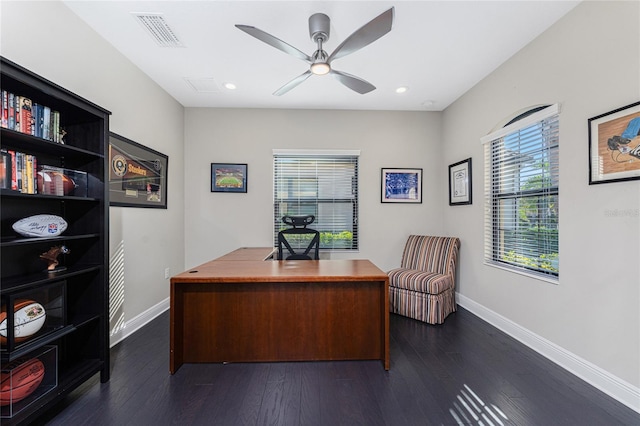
159	30
202	85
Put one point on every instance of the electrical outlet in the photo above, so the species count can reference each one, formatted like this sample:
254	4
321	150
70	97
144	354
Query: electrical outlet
167	273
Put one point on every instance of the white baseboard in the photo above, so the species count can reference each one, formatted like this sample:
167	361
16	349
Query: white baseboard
137	322
613	386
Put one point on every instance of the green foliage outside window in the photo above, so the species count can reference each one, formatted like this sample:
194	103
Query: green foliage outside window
546	262
337	240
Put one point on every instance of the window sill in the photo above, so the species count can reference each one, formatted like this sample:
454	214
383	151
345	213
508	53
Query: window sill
551	280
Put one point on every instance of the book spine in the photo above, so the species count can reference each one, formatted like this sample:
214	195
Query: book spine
4	122
46	123
19	166
34	170
56	126
26	119
37	112
29	170
18	114
12	112
5	170
14	171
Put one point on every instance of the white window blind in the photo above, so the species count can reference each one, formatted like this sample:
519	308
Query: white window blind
521	194
324	184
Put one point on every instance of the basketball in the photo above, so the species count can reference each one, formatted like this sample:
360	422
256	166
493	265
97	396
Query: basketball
29	317
21	381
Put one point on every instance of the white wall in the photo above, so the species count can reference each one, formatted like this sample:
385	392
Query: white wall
48	39
219	222
589	63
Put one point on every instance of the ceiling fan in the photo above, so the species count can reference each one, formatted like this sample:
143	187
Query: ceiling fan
321	62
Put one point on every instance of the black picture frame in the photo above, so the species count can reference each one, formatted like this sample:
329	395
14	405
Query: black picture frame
137	174
229	177
401	185
614	145
460	183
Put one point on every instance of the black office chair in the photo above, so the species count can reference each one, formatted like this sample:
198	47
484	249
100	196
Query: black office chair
299	227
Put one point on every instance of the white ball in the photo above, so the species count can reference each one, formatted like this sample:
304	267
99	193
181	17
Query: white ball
40	225
28	319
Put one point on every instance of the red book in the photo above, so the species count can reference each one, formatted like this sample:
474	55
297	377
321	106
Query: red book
26	120
14	171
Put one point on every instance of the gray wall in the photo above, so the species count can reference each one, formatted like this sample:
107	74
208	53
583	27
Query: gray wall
219	222
61	48
588	63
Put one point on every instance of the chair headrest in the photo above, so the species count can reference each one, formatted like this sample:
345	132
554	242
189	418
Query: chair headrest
297	221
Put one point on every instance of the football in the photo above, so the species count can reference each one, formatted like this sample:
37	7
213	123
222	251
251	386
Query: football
28	318
21	381
40	225
55	183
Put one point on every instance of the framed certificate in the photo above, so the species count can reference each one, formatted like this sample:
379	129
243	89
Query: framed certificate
460	183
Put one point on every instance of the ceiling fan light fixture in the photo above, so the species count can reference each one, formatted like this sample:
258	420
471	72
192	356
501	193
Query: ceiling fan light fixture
320	68
319	58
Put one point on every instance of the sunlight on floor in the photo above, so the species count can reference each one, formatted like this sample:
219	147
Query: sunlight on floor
470	409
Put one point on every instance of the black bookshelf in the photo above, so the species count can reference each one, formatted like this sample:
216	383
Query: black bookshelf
73	343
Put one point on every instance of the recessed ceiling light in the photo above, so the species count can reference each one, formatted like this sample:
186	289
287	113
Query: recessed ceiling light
230	86
402	89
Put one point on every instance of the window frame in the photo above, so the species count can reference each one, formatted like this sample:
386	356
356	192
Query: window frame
319	155
493	228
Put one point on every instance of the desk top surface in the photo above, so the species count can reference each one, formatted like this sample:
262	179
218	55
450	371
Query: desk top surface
248	265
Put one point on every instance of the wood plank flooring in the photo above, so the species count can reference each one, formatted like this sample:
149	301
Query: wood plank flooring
462	372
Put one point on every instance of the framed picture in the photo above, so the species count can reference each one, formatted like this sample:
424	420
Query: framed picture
137	174
460	183
614	145
226	177
401	185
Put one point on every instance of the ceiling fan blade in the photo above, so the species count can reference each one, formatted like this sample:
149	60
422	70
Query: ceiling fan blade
352	82
364	36
274	41
293	83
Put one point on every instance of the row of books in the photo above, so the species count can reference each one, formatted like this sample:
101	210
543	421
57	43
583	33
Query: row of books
19	113
18	171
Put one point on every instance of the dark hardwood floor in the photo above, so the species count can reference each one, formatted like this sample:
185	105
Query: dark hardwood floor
463	372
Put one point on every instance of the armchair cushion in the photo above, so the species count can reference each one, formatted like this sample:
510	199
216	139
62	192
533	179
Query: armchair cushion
422	281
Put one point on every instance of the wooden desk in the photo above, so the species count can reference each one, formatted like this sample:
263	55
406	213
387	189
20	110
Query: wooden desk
241	308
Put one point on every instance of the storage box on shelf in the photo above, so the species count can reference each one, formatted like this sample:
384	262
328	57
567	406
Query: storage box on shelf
38	314
62	270
27	380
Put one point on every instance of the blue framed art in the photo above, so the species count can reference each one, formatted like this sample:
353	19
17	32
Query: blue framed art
401	185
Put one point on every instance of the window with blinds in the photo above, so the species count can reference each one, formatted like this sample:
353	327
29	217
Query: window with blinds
521	194
321	183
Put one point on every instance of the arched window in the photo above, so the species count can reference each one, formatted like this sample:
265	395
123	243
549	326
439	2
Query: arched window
521	193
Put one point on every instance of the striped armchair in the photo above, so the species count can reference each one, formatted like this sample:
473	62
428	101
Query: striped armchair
423	287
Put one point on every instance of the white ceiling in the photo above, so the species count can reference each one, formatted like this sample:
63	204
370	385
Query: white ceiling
438	49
